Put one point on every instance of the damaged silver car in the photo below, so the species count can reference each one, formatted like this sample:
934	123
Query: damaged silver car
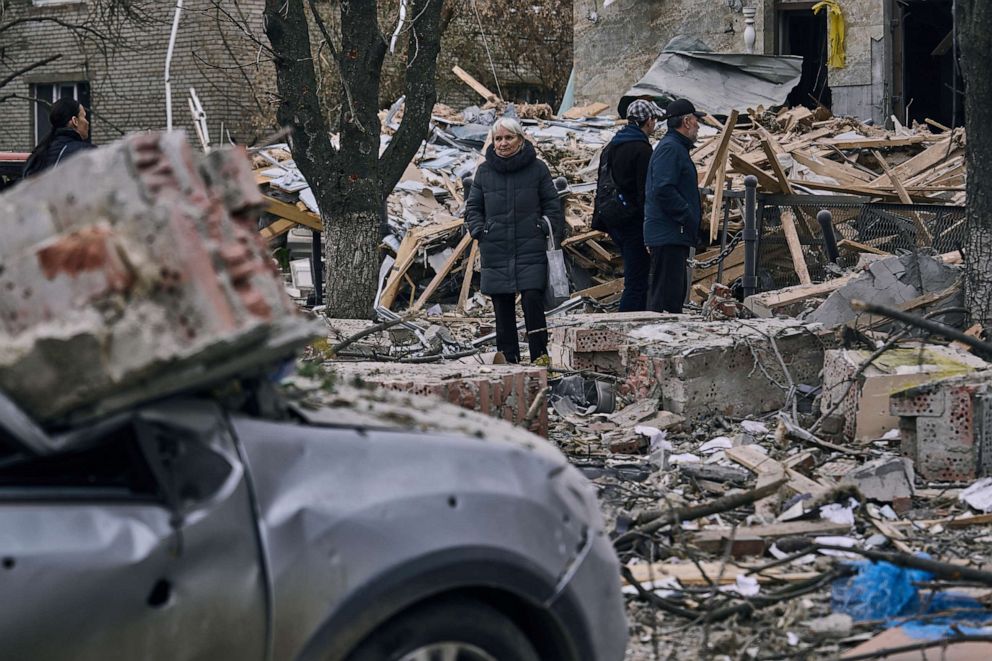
191	529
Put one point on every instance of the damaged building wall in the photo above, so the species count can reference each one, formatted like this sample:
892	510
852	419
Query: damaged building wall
121	60
615	45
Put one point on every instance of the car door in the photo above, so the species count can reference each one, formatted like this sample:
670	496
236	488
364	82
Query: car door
136	541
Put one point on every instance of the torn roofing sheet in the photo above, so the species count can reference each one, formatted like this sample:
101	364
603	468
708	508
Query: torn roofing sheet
718	82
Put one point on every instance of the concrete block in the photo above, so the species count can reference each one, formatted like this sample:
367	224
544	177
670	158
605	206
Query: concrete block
500	391
132	271
864	407
729	367
593	341
946	426
883	480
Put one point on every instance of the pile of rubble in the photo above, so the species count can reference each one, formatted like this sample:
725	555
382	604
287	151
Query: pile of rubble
889	190
772	466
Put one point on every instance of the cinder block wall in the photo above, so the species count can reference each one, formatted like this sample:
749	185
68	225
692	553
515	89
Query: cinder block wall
125	71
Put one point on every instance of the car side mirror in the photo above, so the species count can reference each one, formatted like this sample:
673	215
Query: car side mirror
188	448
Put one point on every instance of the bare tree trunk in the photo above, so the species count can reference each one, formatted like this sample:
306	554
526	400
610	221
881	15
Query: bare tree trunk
351	184
974	28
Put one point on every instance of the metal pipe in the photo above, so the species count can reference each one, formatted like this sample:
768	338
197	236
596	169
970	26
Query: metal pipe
750	280
168	65
317	268
826	220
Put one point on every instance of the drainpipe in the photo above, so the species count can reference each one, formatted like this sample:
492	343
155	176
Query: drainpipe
168	65
750	280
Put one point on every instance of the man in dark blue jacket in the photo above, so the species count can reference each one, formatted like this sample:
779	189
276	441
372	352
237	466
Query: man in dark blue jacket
626	160
672	208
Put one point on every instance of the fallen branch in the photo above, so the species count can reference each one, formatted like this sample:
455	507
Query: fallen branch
654	520
788	430
939	569
927	325
371	330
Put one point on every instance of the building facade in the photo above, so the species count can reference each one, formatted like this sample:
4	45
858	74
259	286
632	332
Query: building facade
110	55
899	53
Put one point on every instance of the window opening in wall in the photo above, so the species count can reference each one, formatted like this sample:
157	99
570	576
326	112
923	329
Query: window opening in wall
45	94
801	32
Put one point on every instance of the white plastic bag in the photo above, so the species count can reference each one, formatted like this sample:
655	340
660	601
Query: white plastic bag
557	275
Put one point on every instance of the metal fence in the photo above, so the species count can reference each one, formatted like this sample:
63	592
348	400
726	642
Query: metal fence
859	225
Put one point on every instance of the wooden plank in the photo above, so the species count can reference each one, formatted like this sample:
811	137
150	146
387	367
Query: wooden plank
277	228
842	173
768	303
443	272
763	465
875	143
467	279
777	170
599	251
479	88
689	575
765	180
605	289
405	255
585	236
795	247
716	212
923	235
290	212
714	539
937	125
721	150
925	160
860	247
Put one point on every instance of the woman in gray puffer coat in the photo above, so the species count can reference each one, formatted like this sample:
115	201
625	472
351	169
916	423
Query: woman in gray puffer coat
511	194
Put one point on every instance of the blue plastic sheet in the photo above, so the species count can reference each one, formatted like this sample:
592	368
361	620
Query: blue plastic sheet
883	591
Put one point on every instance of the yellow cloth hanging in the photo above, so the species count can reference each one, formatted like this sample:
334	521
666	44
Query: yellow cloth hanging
837	57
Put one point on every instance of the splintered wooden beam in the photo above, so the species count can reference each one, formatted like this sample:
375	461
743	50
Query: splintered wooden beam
925	160
467	278
860	247
721	150
443	272
765	180
842	173
603	290
278	228
290	212
481	89
923	235
715	212
783	181
795	247
405	255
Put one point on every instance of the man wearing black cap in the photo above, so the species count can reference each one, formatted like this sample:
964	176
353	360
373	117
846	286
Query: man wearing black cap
672	208
619	207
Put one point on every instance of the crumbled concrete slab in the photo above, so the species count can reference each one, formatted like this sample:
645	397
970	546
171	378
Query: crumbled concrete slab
134	270
890	281
699	368
885	480
864	406
501	391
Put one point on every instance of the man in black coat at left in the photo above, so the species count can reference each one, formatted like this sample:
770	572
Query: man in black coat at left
69	135
512	193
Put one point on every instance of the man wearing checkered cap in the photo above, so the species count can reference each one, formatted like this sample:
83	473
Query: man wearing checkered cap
623	171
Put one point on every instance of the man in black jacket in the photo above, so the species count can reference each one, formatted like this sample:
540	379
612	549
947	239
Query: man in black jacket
673	210
69	135
628	155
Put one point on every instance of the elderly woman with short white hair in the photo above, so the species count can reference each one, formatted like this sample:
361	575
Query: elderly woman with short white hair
511	194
